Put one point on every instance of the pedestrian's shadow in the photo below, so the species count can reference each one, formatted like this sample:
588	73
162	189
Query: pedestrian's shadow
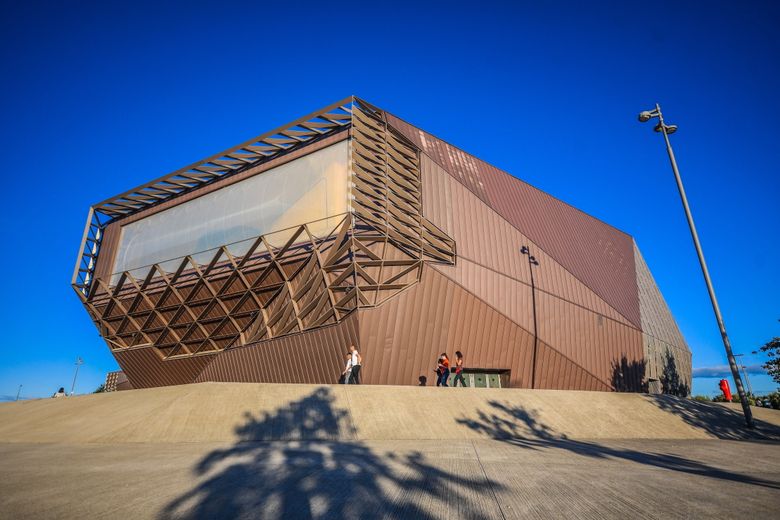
315	471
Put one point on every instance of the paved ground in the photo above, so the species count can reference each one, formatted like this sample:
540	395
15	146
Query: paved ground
305	451
472	479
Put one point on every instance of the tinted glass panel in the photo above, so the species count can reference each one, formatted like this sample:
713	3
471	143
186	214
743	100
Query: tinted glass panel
307	189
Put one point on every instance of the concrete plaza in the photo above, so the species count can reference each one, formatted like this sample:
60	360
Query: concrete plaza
475	479
305	451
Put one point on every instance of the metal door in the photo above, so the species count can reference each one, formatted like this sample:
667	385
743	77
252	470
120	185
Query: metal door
480	380
493	381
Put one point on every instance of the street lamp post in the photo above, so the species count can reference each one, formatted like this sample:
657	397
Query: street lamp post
667	130
747	380
79	362
531	263
744	371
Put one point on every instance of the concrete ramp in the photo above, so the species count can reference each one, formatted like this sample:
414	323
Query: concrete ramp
229	412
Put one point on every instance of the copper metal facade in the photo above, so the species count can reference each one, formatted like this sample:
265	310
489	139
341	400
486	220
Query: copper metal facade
426	260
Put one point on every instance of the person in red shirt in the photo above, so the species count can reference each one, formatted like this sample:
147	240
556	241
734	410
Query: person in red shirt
443	369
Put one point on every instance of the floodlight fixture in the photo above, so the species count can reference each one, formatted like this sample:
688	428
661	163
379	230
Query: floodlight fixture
647	115
670	129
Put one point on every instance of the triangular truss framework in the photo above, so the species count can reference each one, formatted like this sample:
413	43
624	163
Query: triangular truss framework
211	301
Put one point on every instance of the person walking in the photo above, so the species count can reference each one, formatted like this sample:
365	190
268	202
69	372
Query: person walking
458	369
357	362
347	373
443	369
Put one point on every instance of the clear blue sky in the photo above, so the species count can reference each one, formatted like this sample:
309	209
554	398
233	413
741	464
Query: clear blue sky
97	99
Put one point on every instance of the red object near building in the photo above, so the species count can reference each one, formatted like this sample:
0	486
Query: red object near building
724	387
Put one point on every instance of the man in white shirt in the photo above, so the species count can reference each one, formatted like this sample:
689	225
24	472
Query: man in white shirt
357	360
347	374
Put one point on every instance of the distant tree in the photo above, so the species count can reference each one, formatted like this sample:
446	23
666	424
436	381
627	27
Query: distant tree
100	389
703	398
774	400
772	366
751	399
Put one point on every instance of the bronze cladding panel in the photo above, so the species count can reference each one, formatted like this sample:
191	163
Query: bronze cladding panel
488	242
111	236
145	368
587	338
316	356
555	371
593	342
402	338
508	296
482	236
596	253
587	334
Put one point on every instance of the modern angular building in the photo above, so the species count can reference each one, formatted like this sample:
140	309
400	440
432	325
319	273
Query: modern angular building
350	226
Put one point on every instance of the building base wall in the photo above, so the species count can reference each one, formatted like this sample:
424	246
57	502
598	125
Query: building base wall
400	341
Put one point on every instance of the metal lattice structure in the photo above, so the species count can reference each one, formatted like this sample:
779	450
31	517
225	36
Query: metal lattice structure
306	130
219	299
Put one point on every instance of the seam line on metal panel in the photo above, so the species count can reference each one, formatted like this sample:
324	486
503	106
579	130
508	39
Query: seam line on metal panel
510	224
629	324
507	174
573	362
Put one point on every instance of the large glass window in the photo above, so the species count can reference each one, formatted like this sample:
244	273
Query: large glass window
308	189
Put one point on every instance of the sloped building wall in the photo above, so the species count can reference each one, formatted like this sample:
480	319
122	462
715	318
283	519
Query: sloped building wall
583	331
668	360
597	302
599	255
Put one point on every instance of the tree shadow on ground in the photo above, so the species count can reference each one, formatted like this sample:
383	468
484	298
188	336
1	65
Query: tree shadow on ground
520	427
715	419
313	474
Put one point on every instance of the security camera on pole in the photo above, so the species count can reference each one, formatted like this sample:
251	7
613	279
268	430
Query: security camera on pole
667	130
